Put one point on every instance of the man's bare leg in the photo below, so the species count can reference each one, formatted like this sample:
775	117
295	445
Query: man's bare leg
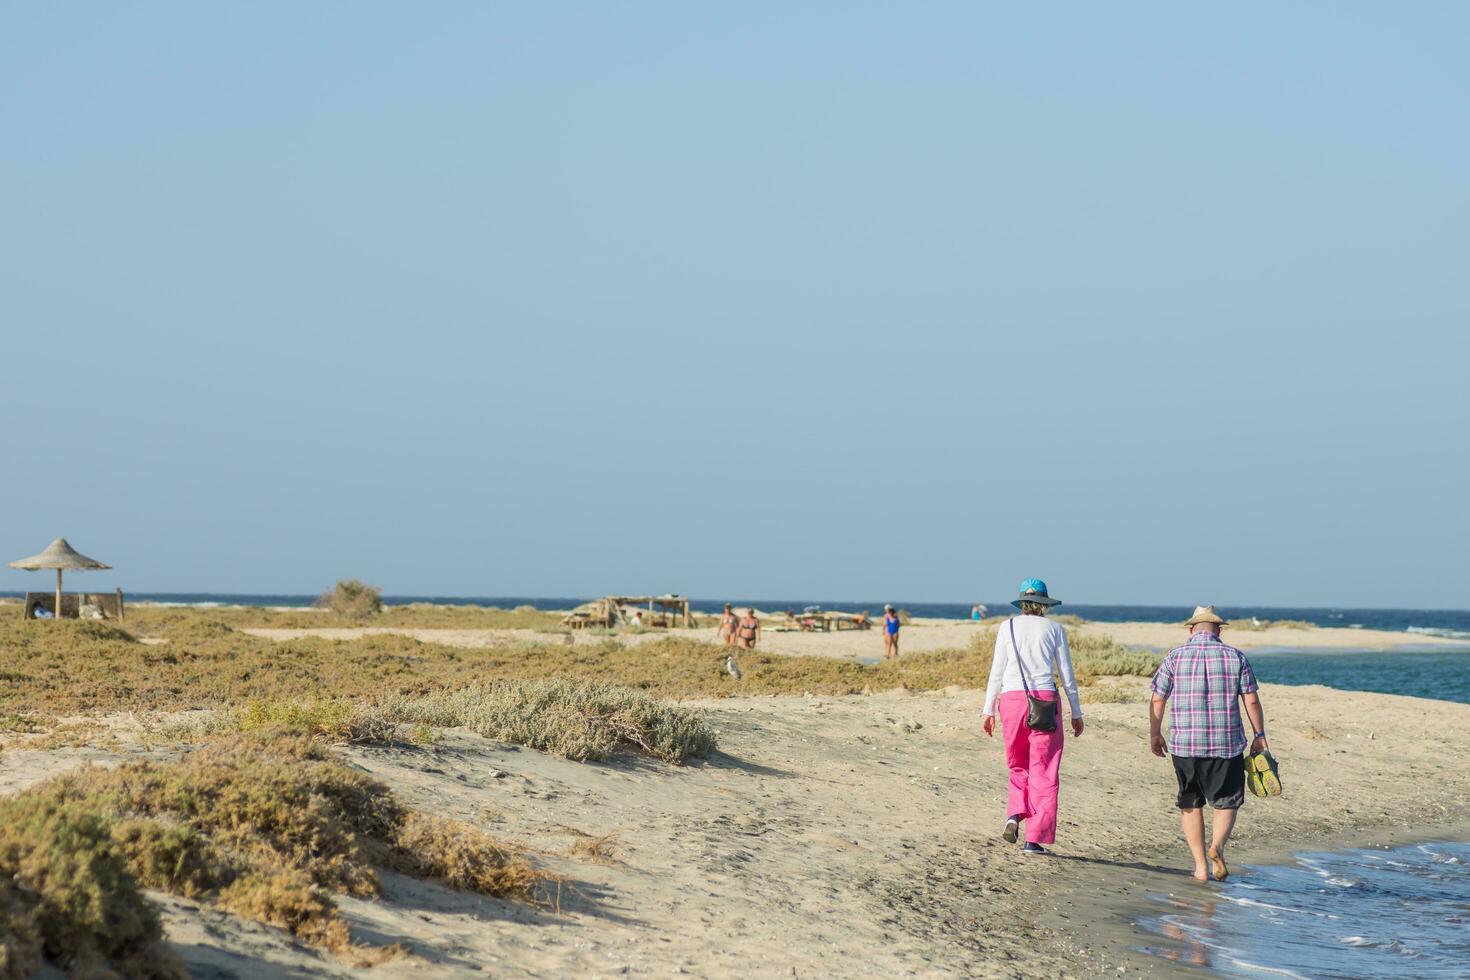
1221	823
1193	823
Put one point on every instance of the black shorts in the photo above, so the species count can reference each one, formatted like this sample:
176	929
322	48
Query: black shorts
1210	779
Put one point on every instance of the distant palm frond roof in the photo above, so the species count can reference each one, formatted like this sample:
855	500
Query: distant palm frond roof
58	554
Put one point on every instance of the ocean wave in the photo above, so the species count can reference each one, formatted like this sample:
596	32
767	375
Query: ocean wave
1275	971
1391	946
1439	631
1276	908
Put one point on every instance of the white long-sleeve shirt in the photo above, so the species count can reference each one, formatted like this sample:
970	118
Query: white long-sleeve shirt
1043	650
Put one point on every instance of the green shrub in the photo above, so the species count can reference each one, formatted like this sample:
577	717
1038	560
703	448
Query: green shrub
332	720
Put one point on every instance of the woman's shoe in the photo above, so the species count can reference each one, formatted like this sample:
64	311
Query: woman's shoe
1012	831
1033	848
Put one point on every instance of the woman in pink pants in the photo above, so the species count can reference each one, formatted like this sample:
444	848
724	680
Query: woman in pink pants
1029	651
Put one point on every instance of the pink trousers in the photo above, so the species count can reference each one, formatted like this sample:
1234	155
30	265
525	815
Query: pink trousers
1035	760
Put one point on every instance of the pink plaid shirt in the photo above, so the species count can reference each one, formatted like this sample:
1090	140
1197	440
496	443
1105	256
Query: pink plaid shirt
1202	681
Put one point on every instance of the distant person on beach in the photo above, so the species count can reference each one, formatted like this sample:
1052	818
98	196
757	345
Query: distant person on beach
728	623
750	629
890	633
1029	649
977	613
1200	682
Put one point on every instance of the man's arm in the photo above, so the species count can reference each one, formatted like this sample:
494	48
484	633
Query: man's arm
1156	725
1162	687
1257	715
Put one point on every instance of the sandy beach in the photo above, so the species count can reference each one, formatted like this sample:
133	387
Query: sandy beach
851	836
920	636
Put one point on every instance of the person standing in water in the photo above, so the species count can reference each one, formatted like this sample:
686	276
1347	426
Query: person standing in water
1029	649
1200	683
728	623
890	633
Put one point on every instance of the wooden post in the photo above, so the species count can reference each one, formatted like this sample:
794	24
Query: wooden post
119	606
58	595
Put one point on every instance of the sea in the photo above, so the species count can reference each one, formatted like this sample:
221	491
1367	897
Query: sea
1400	912
1403	912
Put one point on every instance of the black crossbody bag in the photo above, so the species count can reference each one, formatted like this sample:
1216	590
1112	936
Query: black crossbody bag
1041	716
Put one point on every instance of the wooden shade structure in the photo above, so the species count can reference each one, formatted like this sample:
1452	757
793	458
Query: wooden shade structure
608	611
60	556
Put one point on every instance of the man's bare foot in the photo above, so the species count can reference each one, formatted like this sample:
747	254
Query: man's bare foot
1217	866
1201	873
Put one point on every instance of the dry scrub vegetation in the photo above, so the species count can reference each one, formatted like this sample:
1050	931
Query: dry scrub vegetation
80	668
351	599
150	620
267	827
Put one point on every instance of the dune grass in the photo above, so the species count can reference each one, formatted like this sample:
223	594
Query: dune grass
1255	625
581	720
268	827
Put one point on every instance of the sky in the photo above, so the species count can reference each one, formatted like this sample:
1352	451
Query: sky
1161	304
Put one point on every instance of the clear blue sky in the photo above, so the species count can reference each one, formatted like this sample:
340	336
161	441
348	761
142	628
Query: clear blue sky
1158	303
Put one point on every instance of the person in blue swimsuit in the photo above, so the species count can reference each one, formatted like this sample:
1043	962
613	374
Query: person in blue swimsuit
890	633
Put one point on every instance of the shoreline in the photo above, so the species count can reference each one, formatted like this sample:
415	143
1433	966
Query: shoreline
1116	930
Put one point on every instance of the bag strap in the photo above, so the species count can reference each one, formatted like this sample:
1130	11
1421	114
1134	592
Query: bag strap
1017	651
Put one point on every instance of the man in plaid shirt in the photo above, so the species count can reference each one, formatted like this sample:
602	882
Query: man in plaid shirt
1200	682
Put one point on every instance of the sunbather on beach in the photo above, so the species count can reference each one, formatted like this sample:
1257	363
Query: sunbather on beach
1200	681
1029	649
750	629
728	623
890	633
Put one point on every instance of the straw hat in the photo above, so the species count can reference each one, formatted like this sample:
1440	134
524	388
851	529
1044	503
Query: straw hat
1205	614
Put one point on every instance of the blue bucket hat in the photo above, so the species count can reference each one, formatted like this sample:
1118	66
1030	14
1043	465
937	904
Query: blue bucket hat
1034	590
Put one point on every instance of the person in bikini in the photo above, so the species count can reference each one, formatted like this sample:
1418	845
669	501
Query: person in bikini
750	629
728	623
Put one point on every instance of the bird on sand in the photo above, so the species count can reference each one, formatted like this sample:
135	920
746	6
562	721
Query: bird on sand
732	668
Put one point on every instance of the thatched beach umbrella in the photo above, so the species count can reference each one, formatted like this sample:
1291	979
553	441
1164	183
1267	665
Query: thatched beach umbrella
60	556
